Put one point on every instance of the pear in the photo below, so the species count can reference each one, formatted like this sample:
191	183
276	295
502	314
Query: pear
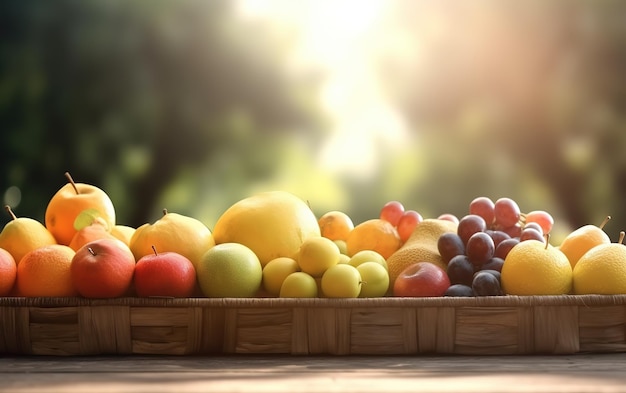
583	239
173	232
22	235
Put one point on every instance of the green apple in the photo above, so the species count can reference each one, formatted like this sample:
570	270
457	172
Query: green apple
229	270
374	279
367	256
299	284
343	247
342	280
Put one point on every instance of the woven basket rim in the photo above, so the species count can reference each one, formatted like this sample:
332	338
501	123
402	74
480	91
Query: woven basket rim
267	302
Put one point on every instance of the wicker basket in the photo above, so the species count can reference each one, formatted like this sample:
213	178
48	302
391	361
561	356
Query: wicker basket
382	326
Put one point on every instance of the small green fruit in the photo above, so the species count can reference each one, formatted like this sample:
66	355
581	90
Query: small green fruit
229	270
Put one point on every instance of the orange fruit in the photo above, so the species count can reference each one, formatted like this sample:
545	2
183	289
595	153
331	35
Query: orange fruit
533	267
335	225
8	272
88	234
376	235
71	200
45	271
583	239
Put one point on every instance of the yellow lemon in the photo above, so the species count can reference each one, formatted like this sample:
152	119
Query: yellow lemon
275	272
536	268
317	254
601	270
341	280
299	284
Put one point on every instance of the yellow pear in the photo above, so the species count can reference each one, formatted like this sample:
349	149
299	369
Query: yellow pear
173	232
583	239
421	246
22	235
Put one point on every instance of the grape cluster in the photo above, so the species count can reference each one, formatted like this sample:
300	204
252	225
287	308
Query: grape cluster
403	220
476	252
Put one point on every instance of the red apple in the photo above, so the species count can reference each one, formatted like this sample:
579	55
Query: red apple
103	268
164	274
421	279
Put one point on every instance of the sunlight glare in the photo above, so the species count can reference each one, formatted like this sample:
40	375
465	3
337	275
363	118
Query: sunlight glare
341	37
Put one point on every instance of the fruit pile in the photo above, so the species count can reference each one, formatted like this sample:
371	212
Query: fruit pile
272	245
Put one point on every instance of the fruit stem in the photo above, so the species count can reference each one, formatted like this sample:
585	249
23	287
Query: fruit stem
164	211
605	221
69	178
91	251
621	237
8	209
547	236
154	249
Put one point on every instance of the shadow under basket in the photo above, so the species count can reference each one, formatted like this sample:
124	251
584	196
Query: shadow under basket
500	325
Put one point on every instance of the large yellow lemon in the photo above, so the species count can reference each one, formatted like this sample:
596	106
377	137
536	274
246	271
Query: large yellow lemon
272	224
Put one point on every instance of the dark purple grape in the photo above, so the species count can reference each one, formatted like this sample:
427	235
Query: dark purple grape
513	231
459	290
531	234
460	270
479	248
484	207
494	263
504	247
450	245
497	236
486	283
507	212
495	273
469	225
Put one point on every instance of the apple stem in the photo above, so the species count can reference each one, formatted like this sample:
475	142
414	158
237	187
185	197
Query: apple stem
69	178
164	211
154	249
621	237
91	251
8	209
606	219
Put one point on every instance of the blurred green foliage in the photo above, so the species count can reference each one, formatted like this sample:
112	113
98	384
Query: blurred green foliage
182	105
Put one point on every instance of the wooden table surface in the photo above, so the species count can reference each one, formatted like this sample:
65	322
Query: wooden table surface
577	373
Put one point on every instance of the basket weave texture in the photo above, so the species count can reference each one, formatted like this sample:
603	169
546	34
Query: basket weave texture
499	325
